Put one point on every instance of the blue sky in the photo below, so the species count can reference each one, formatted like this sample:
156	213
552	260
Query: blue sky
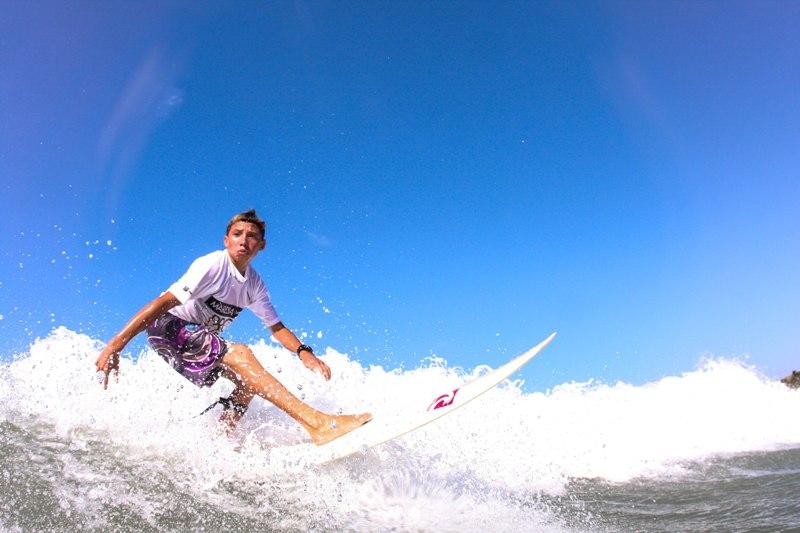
451	178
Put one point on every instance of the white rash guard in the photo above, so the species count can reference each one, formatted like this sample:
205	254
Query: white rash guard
213	292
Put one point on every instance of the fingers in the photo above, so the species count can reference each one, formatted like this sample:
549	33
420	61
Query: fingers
323	369
318	365
100	364
107	363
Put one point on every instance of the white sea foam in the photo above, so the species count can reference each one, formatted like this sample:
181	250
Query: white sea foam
507	442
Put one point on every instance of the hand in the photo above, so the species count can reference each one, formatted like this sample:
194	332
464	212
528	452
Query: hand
316	364
107	361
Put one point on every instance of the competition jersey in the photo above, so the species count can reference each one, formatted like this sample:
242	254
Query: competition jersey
213	292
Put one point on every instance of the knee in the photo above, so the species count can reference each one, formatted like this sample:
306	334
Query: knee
240	360
238	353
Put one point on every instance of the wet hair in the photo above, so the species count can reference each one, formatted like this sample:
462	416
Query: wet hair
248	216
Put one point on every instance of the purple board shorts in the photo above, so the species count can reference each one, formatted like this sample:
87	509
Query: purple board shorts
191	349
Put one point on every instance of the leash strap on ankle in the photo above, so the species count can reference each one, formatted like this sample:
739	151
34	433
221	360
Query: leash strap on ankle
226	404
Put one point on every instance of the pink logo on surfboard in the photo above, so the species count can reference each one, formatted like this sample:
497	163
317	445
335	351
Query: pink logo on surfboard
443	401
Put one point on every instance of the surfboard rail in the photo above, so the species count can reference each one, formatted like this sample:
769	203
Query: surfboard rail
380	431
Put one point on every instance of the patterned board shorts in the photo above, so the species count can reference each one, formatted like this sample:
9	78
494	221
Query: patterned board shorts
191	349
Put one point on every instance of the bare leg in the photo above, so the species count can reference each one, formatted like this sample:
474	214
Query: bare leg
251	378
241	395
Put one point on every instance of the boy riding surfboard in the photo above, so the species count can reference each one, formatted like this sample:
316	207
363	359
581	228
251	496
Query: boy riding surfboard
184	326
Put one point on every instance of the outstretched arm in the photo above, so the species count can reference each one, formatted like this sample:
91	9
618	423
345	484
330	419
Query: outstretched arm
108	359
291	342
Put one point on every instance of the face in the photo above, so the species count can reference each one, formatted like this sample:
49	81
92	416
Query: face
243	242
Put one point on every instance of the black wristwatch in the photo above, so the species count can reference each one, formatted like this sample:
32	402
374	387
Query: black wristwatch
304	347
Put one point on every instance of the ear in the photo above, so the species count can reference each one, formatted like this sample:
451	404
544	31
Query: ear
263	244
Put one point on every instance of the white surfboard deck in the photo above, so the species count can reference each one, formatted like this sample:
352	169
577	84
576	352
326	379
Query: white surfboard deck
436	406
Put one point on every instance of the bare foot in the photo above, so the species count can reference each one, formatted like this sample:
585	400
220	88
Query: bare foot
337	425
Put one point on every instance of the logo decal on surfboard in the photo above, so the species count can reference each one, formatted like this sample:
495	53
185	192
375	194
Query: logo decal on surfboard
442	401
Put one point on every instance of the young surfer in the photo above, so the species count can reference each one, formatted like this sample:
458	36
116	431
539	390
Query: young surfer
185	322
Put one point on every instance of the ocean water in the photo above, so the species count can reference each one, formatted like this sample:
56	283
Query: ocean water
714	449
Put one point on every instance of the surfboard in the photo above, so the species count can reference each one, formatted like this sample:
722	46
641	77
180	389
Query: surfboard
437	405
